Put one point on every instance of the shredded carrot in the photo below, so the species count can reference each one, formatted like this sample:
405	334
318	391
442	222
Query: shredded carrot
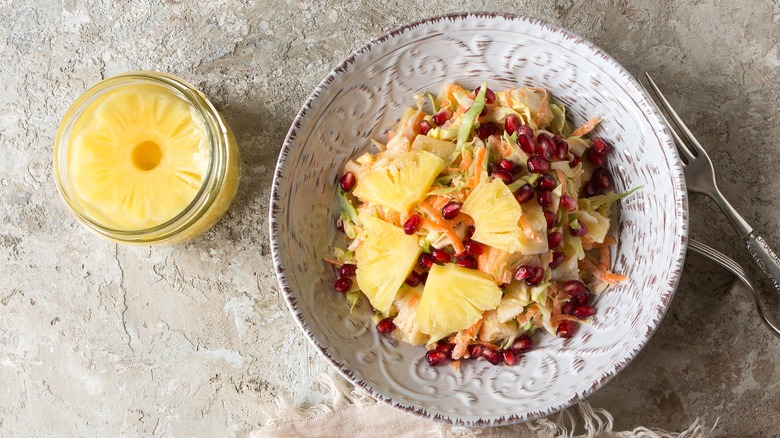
464	338
333	262
555	320
439	202
604	257
393	217
586	128
602	272
561	181
441	225
465	162
523	318
487	344
462	218
544	105
479	162
456	365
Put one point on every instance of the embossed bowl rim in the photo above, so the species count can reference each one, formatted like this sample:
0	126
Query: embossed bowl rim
676	173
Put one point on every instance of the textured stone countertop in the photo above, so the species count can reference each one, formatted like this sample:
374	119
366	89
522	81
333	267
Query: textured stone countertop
97	338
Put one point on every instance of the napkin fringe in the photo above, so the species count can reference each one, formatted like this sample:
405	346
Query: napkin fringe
595	422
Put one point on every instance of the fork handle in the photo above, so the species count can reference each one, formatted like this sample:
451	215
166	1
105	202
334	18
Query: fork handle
765	258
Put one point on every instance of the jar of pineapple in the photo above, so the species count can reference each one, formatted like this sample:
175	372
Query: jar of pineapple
144	158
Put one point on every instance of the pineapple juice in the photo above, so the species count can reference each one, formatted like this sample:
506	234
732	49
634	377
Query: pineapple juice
144	158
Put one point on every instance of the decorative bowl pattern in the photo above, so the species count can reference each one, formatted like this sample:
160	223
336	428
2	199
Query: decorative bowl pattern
364	96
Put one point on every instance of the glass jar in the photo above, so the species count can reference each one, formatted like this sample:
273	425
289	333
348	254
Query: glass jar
216	156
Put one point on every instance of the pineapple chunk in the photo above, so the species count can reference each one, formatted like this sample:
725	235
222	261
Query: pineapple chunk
403	183
495	212
455	298
441	148
384	260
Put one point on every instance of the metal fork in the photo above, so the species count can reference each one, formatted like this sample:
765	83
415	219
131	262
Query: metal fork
737	270
700	178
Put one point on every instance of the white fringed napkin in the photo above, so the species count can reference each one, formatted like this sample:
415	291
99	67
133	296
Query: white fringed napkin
353	413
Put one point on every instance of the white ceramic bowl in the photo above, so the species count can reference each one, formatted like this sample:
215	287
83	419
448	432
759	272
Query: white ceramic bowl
364	96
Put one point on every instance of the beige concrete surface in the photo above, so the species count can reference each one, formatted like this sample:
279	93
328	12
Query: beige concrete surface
100	339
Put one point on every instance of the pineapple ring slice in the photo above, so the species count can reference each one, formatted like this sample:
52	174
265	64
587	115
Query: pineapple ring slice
454	299
138	157
384	260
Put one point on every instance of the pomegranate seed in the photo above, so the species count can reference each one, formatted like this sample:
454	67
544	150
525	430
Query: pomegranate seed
342	284
544	146
485	130
566	329
491	356
575	160
340	224
504	176
568	308
450	210
522	344
546	183
470	231
602	146
511	124
440	256
568	203
446	348
435	357
536	277
523	272
594	157
602	178
425	126
423	277
545	199
580	231
476	350
493	168
441	117
413	280
549	216
561	147
348	181
490	96
554	239
525	130
509	166
412	224
575	288
483	113
526	143
581	299
425	261
524	194
466	261
557	258
385	326
590	189
509	356
347	270
537	164
584	311
473	248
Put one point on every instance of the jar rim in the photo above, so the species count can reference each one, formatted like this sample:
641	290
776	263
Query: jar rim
217	139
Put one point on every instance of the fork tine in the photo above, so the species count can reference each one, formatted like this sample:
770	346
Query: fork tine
697	147
681	146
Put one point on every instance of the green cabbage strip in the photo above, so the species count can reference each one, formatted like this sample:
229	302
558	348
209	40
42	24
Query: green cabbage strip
471	116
